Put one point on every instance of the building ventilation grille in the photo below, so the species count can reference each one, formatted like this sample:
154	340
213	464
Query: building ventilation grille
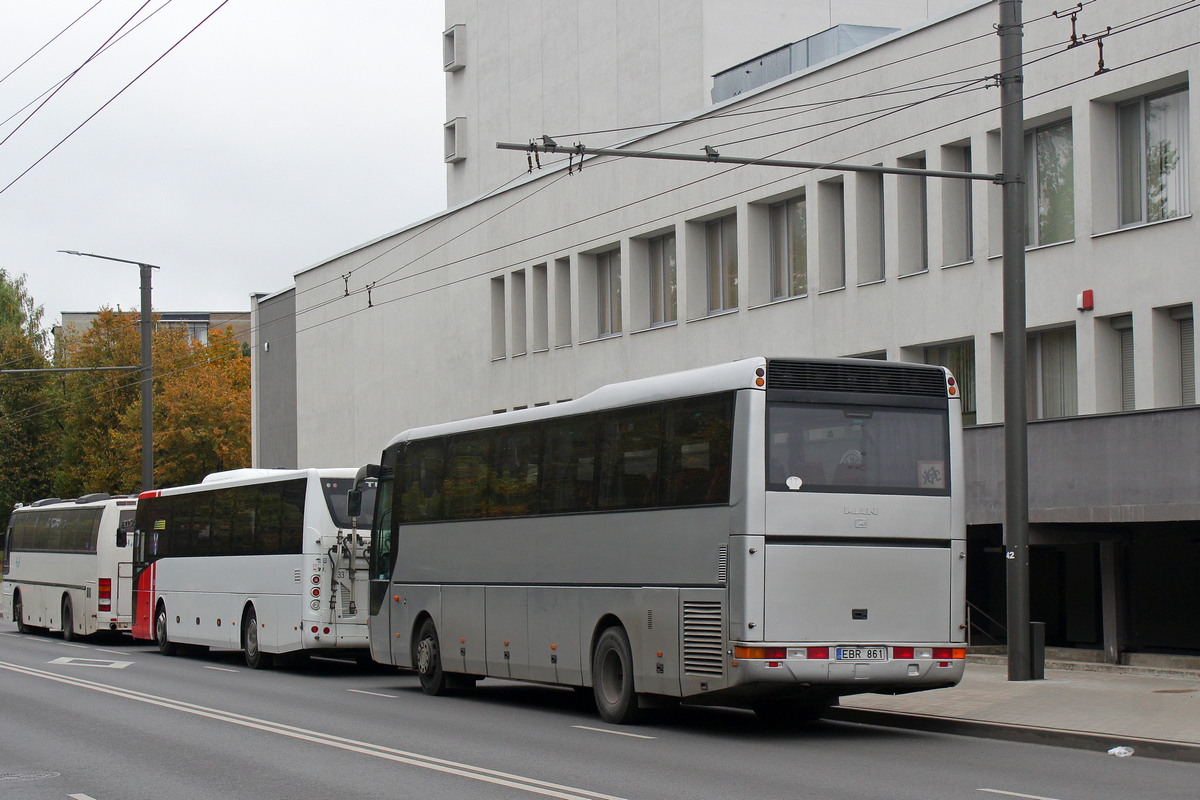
866	377
703	638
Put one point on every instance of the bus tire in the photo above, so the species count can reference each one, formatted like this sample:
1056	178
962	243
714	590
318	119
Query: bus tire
612	678
255	657
165	645
68	620
19	613
428	660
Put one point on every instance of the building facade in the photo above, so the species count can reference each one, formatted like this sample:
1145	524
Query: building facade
549	278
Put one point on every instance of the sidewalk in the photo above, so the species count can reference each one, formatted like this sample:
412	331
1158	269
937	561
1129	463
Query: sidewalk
1158	715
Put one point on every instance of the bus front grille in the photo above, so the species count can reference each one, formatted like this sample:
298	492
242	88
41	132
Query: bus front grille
703	638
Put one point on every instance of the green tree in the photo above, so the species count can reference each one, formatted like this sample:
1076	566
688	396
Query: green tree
29	404
201	407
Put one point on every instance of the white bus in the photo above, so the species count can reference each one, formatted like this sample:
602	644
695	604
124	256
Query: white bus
263	561
67	566
768	533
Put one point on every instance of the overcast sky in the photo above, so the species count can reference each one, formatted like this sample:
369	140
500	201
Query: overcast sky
278	134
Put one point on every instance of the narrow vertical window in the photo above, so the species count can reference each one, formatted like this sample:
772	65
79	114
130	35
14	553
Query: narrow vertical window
1124	327
519	314
789	249
831	234
1153	170
1052	375
499	341
539	310
959	358
562	302
1050	192
913	211
662	279
721	253
1187	359
608	293
870	211
958	238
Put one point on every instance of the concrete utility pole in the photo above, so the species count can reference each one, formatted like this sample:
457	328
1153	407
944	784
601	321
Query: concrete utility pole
1016	442
147	366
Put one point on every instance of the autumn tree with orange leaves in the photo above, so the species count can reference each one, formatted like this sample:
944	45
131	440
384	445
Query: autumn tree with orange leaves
201	407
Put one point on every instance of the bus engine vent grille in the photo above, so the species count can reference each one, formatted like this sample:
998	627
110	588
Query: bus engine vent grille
722	564
703	638
870	376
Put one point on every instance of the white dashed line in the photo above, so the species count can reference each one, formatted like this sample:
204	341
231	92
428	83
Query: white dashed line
221	669
373	694
615	733
1016	794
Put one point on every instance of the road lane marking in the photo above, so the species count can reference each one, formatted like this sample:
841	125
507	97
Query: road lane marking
615	733
1016	794
222	669
114	652
433	763
373	694
80	646
80	797
91	662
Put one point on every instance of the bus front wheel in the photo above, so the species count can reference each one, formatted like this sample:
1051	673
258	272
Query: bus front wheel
612	677
19	613
255	657
428	659
68	621
165	645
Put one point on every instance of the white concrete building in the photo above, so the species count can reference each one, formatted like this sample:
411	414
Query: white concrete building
538	287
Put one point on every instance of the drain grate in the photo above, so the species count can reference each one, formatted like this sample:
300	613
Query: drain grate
27	776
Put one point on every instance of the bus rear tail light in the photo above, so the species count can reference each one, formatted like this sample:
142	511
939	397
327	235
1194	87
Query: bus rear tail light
773	653
105	594
899	653
942	653
818	652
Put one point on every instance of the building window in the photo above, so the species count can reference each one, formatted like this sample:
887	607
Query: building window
871	232
1123	325
913	212
722	263
789	249
1152	135
958	237
662	279
499	341
1186	327
517	302
1052	383
454	48
831	234
562	302
455	141
959	358
608	293
1050	191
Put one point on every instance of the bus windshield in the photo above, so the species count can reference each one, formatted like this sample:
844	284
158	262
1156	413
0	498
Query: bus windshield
335	497
852	448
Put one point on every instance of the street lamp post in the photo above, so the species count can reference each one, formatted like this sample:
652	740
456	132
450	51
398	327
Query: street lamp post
147	367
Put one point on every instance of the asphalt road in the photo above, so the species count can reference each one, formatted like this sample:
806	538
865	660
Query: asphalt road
111	720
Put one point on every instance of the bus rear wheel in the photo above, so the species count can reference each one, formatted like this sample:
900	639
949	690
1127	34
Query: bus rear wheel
255	657
19	613
428	658
612	678
165	645
68	621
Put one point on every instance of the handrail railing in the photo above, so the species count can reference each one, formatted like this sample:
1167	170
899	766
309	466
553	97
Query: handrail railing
971	625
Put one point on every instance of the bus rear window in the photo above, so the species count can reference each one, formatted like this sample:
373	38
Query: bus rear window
853	449
335	498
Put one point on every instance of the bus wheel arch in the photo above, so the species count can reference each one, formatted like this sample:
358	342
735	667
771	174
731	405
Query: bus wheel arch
612	676
67	619
165	645
251	644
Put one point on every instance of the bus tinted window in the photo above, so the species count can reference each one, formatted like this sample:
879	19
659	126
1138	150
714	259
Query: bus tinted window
464	487
629	442
335	490
874	449
419	480
697	444
568	466
514	484
238	520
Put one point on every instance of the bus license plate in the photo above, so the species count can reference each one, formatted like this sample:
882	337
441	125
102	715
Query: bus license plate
862	654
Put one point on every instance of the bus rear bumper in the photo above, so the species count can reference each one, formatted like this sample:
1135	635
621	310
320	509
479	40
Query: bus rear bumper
849	676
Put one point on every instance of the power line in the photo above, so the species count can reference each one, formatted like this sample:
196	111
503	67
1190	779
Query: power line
52	40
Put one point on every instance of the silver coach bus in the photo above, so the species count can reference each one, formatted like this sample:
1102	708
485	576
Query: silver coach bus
768	533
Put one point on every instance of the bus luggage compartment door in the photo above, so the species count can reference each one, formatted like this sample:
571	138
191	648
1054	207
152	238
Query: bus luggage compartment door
857	592
123	589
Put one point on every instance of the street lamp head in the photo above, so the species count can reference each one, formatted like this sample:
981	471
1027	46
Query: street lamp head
71	252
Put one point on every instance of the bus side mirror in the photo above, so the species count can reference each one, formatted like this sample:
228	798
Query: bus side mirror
354	503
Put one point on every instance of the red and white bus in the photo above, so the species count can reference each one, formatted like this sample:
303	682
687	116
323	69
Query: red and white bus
264	561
